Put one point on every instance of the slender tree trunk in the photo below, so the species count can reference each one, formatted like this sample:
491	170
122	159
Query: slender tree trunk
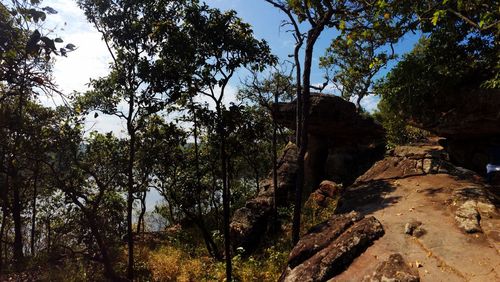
16	216
130	202
2	231
306	91
33	211
49	242
130	185
109	271
140	221
207	237
4	195
226	196
275	171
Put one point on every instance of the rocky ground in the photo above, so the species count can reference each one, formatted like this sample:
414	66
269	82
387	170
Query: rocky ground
412	217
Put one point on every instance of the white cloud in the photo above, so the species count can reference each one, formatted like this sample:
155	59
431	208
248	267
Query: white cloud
370	103
229	97
91	58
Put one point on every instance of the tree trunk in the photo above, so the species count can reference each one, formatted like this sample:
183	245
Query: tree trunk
49	243
33	211
226	197
313	35
130	186
140	221
109	271
2	230
16	216
275	171
130	202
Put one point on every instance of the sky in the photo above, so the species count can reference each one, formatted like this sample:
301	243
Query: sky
91	59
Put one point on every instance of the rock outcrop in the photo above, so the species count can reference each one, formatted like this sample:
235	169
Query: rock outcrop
472	130
327	249
342	143
249	223
334	118
442	219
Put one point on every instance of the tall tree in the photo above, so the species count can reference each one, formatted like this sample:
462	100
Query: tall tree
266	92
146	42
224	43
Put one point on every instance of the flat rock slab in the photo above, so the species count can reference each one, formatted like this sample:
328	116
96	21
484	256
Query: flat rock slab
445	252
329	248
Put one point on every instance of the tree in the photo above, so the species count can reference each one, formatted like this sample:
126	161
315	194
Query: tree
146	41
89	174
277	87
25	70
224	43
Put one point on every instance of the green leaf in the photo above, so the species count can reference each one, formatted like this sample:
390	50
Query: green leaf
437	15
342	25
58	40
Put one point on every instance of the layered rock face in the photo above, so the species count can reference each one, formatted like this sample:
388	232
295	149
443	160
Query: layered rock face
342	143
472	130
328	248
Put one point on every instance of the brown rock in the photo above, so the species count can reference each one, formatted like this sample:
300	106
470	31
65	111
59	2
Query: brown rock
395	269
320	236
249	223
333	117
336	256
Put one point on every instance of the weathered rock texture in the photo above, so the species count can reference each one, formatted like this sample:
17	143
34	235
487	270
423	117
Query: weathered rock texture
249	223
418	188
342	143
330	247
472	129
321	204
395	269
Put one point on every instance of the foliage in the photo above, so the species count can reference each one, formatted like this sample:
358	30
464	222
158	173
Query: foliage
437	75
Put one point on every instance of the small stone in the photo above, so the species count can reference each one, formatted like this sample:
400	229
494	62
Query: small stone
418	232
411	226
418	264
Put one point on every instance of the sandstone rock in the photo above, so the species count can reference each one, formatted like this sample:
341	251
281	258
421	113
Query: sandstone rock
467	217
394	269
343	247
321	236
413	228
445	252
332	116
342	143
474	204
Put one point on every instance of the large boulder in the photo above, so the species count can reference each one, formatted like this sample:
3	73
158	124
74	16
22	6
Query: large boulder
332	117
343	144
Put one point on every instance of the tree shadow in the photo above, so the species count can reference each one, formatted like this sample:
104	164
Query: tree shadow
433	191
367	198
